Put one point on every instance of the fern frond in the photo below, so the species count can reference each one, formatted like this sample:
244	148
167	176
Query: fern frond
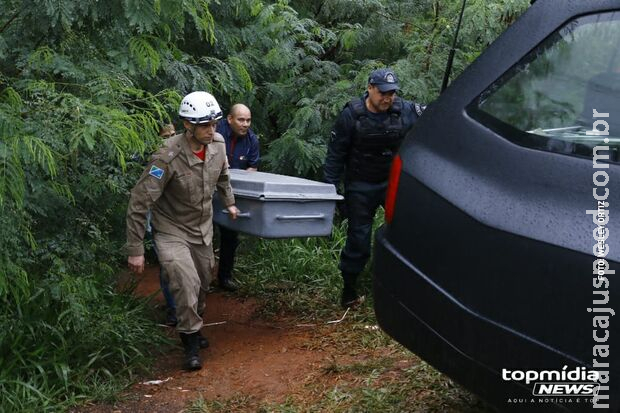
203	19
241	71
142	14
12	180
144	53
40	153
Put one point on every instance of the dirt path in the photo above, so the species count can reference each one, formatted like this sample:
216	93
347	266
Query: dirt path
280	364
248	358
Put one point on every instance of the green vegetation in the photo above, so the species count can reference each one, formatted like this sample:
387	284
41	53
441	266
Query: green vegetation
299	275
296	275
371	373
84	86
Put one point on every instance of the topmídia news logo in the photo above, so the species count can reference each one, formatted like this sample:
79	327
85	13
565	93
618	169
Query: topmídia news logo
578	382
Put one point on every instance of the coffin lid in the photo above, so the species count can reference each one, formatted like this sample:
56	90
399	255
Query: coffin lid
262	185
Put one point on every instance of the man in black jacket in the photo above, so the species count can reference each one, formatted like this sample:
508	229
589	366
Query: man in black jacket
365	138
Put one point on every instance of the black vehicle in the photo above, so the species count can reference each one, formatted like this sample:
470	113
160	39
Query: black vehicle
498	202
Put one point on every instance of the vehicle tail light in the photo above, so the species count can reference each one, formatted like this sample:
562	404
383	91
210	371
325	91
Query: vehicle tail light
392	189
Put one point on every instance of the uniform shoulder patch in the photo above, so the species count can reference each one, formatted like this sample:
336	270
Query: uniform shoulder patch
419	108
156	172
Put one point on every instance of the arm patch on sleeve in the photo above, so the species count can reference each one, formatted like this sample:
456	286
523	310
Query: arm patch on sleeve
156	172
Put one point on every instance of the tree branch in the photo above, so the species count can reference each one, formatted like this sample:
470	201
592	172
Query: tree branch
408	23
431	44
10	21
318	11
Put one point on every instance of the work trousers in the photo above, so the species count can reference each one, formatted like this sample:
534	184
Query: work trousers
163	280
361	207
229	241
188	268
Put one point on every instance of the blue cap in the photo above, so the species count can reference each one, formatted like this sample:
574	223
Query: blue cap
384	79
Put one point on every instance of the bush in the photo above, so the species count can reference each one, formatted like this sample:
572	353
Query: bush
299	275
84	86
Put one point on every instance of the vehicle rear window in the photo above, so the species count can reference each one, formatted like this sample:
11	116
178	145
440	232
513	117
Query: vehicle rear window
546	101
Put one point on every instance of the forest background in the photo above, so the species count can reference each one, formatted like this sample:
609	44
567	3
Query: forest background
84	88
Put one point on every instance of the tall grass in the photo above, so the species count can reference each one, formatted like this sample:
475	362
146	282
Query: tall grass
298	275
75	339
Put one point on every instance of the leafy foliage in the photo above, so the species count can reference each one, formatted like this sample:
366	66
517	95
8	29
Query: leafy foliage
84	87
299	275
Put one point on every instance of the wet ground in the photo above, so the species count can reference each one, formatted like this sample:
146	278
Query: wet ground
248	356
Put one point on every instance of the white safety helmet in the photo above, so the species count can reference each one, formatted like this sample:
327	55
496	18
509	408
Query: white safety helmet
200	107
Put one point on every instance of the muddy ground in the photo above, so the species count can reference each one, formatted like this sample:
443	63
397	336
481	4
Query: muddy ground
252	361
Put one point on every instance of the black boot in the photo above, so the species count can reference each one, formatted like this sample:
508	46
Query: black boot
349	296
191	345
202	341
228	284
171	317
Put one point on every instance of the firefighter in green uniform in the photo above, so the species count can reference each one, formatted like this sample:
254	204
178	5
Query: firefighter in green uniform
178	186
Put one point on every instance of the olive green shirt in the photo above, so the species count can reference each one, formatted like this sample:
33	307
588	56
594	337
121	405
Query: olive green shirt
178	187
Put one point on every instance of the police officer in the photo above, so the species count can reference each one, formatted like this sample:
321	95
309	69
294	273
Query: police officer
242	150
178	185
365	138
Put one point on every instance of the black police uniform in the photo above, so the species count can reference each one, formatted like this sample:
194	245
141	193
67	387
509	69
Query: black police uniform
361	148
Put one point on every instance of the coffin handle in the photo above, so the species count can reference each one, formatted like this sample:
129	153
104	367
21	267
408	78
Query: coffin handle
295	217
239	215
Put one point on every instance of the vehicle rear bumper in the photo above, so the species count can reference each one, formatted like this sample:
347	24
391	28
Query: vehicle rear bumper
467	347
